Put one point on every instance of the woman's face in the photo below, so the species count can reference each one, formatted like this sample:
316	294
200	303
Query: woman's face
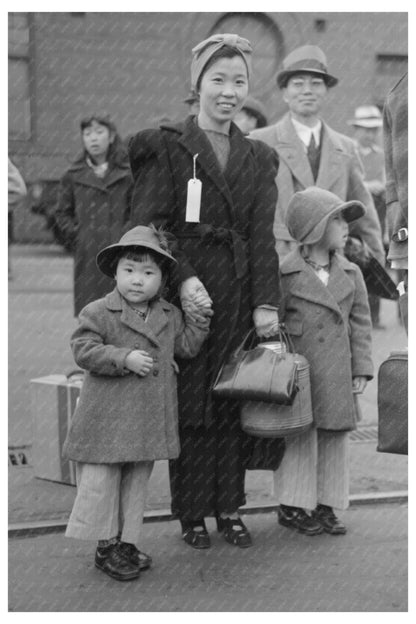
224	87
97	139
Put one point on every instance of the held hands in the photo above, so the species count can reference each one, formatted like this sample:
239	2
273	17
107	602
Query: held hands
359	384
266	322
195	301
139	362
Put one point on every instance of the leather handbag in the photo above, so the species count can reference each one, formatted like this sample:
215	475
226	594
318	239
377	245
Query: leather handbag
392	399
271	420
259	373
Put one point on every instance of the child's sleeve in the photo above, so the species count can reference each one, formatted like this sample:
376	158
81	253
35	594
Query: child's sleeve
189	336
360	326
89	349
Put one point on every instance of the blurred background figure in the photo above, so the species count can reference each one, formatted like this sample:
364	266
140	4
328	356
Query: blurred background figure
192	100
94	204
367	123
17	192
251	116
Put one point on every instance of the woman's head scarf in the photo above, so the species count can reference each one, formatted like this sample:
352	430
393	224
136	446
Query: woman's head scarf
207	48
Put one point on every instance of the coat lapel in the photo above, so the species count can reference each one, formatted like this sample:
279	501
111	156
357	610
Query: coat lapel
305	284
292	151
151	328
332	155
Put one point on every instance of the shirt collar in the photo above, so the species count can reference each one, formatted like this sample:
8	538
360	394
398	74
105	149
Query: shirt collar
305	132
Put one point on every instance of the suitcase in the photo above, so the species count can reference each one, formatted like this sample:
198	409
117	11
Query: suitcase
392	400
53	402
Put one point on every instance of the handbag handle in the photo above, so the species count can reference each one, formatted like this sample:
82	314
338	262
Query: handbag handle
250	339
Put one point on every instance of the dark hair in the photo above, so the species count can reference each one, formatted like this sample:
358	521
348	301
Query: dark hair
138	253
117	152
224	52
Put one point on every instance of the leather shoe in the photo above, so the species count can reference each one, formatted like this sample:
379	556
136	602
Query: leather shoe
328	520
234	531
297	518
194	533
115	563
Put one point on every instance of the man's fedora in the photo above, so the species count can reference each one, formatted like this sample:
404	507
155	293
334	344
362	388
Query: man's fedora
306	59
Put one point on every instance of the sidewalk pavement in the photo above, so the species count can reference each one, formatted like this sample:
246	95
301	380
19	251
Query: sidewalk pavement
40	322
364	571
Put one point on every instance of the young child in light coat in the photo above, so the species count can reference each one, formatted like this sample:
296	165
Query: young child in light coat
126	417
326	312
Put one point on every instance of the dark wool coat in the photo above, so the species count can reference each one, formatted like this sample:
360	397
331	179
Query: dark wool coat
236	262
122	416
92	213
330	326
340	171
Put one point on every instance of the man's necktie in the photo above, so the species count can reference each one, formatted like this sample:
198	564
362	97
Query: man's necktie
314	154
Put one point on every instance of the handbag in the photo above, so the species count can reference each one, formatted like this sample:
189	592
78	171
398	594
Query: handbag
392	400
259	373
273	420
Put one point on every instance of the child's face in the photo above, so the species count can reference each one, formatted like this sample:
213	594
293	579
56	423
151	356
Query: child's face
97	139
336	233
138	281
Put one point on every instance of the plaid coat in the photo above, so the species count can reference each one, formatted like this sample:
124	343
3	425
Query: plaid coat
231	250
330	326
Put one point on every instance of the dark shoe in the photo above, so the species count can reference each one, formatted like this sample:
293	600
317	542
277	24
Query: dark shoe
194	533
115	562
297	518
136	557
328	520
235	531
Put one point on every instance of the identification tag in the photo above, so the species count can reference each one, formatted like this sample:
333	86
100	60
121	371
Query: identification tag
193	199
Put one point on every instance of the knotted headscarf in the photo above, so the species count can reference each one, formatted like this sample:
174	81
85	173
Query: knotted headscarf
207	48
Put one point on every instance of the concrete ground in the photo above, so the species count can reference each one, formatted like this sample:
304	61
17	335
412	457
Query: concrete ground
284	571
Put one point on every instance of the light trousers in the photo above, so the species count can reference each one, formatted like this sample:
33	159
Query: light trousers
110	500
314	469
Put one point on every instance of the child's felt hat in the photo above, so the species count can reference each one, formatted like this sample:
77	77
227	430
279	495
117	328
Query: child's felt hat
140	236
309	210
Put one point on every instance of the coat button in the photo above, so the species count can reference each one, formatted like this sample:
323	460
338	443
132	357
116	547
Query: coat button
155	372
320	326
321	339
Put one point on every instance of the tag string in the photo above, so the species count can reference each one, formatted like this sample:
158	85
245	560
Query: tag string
195	157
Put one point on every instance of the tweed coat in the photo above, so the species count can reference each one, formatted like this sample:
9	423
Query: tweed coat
92	213
122	416
340	171
395	118
331	326
231	250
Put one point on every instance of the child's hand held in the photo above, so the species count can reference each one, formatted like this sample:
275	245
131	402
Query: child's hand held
139	362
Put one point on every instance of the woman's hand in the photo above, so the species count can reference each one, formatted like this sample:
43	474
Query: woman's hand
358	384
266	322
195	301
139	362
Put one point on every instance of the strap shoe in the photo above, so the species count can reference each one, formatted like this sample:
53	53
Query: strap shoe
328	520
297	518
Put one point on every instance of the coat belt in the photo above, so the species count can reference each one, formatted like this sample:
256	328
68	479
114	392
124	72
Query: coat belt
211	235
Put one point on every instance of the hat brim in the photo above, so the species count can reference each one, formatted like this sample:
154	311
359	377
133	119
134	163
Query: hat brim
106	257
351	211
365	123
283	76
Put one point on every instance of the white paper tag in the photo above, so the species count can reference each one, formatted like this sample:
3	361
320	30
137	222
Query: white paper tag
193	201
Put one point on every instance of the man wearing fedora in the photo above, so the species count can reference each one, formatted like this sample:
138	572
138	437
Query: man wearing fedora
367	123
313	154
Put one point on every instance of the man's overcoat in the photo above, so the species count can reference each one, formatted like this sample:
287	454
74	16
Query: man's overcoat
340	171
122	416
331	326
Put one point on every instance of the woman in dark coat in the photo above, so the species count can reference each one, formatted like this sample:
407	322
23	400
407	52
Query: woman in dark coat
94	204
225	252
